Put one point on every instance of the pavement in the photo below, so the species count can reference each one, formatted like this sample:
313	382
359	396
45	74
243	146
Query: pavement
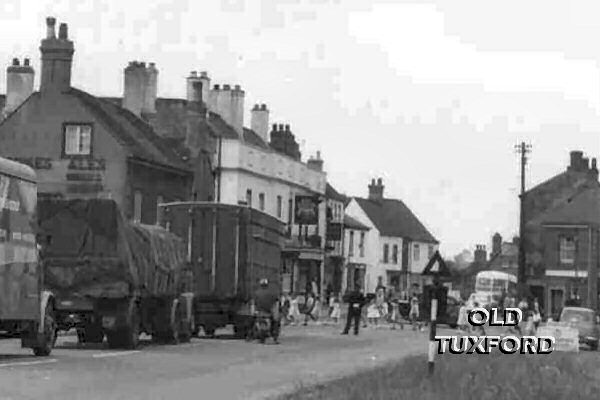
220	368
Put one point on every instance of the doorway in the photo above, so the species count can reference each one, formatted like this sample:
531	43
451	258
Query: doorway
556	301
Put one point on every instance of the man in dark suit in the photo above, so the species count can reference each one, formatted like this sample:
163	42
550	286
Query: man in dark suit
356	301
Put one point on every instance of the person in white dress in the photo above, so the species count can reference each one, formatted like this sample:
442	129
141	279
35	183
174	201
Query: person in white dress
336	309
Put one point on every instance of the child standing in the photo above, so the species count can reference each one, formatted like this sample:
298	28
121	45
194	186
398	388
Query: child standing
414	311
335	308
372	313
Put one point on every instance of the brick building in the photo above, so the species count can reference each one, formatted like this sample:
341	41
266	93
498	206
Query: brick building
579	177
139	149
570	237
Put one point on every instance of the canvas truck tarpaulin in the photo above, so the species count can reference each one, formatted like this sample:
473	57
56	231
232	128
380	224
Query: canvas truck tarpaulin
91	250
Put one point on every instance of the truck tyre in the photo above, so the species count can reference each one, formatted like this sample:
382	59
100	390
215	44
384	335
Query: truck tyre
49	338
131	332
173	331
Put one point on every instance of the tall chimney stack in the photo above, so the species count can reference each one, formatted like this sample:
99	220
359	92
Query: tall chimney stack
57	58
205	80
134	87
150	94
376	190
315	163
19	84
260	121
192	94
237	110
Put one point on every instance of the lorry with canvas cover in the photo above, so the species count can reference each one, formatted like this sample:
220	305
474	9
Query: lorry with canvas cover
113	277
230	249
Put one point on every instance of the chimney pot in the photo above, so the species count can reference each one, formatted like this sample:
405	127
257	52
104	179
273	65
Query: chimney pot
216	87
193	74
143	64
204	74
15	62
593	163
63	31
237	87
281	127
255	107
226	87
26	62
50	24
379	182
274	127
287	127
263	106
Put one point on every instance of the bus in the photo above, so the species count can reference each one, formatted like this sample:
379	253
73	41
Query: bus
25	309
489	286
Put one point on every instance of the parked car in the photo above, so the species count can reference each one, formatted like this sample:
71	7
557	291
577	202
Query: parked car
584	319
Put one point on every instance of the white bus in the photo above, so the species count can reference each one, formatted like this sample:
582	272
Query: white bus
489	286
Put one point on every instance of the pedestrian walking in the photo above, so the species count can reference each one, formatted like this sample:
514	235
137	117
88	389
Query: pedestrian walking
336	309
537	314
356	301
310	301
414	311
462	321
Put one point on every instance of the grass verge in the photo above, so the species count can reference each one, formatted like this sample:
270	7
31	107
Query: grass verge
571	376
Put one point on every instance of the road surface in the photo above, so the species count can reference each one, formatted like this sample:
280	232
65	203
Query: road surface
220	368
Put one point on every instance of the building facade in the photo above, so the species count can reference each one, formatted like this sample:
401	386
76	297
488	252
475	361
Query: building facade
354	253
398	244
85	146
269	175
571	252
334	239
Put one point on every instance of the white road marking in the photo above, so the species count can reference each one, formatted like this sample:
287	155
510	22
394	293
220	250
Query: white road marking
116	354
25	363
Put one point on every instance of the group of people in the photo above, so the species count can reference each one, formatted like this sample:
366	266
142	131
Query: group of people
530	309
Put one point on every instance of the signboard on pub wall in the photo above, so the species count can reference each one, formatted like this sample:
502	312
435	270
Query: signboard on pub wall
307	210
334	231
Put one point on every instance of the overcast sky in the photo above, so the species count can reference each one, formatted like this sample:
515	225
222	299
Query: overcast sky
429	95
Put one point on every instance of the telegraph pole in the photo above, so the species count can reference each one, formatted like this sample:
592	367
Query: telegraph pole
522	149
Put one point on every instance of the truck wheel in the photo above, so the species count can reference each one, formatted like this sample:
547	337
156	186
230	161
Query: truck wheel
131	332
173	332
49	338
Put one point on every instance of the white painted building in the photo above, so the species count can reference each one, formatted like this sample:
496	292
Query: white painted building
397	245
264	170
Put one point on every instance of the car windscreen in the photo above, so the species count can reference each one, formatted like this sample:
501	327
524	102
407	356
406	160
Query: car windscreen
581	315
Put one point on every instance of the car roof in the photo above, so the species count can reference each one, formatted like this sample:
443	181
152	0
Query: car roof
578	309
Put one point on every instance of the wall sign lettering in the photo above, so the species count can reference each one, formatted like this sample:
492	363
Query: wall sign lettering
86	177
34	162
87	164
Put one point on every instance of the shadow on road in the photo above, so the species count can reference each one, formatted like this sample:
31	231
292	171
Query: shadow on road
11	357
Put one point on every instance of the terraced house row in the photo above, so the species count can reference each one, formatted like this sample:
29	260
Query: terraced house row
142	150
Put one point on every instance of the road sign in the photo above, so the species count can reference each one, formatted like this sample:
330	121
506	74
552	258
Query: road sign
566	337
436	266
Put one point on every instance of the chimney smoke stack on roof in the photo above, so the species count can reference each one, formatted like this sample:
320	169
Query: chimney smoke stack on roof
50	28
204	74
287	127
281	127
237	87
15	62
63	32
274	127
226	87
26	62
593	163
263	106
194	74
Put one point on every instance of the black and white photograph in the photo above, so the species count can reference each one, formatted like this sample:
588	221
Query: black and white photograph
299	200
